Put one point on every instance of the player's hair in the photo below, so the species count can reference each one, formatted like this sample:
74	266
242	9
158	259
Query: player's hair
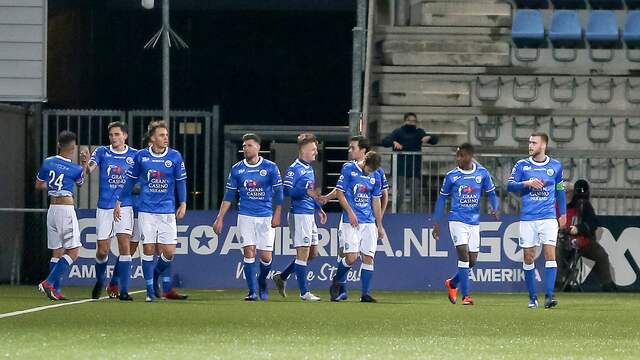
117	124
306	138
406	115
65	138
466	147
154	125
146	140
363	142
251	136
372	159
542	136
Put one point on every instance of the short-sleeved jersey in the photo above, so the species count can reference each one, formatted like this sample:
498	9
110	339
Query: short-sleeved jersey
465	188
538	204
359	190
381	174
157	175
300	174
60	174
255	186
112	168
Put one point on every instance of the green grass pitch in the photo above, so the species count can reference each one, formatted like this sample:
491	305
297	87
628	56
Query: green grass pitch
216	324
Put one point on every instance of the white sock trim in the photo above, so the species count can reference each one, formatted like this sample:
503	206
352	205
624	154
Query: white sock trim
265	263
301	262
164	258
249	260
147	257
463	264
125	258
54	260
366	267
67	258
106	258
551	264
528	266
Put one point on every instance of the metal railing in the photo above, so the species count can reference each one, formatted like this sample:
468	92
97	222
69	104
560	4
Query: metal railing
614	177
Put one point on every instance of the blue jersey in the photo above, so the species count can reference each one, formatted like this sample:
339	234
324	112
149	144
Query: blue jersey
60	174
465	188
300	177
537	204
157	175
112	167
256	184
380	172
359	190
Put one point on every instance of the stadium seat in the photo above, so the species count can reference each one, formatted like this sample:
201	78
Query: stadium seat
631	34
566	32
569	4
532	4
606	4
602	33
527	31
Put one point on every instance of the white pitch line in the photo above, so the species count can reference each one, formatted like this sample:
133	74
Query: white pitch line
42	308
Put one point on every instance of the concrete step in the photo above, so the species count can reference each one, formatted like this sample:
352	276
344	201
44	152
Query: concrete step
423	92
446	52
471	13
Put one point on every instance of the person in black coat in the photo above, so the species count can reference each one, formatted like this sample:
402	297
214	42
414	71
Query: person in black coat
408	138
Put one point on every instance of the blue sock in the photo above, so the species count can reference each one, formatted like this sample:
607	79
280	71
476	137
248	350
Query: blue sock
550	271
366	275
101	269
147	272
529	279
463	277
52	264
123	267
301	274
455	280
61	267
162	272
288	270
343	270
264	271
250	274
115	277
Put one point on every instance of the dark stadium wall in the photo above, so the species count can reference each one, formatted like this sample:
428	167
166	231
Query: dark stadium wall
262	66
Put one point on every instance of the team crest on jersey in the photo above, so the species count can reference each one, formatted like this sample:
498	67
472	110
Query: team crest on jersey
129	160
478	179
263	172
372	181
290	173
550	172
168	163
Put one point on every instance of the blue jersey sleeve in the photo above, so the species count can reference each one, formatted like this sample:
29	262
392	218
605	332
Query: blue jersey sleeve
487	183
276	183
560	192
231	187
385	183
445	190
343	180
134	170
43	173
514	183
180	170
377	187
79	176
97	156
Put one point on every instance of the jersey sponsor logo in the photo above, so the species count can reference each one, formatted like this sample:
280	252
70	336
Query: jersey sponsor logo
361	195
115	170
353	173
468	196
145	158
157	182
168	163
115	175
525	168
254	190
455	178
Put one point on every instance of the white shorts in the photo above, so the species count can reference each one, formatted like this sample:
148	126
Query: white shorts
538	232
158	228
136	236
256	231
62	227
303	229
363	239
107	227
465	234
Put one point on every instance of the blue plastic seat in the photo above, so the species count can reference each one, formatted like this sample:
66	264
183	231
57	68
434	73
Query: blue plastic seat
606	4
631	33
532	4
569	4
565	32
527	31
602	29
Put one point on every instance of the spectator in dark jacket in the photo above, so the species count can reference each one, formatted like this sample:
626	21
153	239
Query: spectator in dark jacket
408	138
580	229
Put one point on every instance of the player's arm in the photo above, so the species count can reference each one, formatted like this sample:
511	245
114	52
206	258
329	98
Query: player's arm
231	189
90	163
41	176
180	174
515	183
341	185
130	180
441	202
384	200
490	189
377	208
278	198
561	198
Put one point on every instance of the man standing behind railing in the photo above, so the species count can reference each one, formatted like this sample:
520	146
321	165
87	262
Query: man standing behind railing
408	138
